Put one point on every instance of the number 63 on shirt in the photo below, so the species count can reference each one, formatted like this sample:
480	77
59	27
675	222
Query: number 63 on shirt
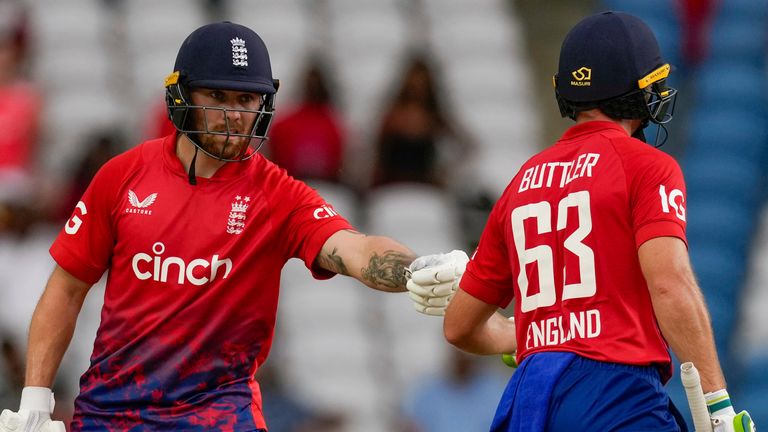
544	214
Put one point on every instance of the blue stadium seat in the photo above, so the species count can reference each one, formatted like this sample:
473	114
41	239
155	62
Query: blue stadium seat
716	131
729	85
646	8
720	271
735	178
720	222
667	31
750	391
722	314
718	268
741	9
740	38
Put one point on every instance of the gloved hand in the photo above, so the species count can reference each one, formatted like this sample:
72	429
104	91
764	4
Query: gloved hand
34	413
724	418
510	359
433	279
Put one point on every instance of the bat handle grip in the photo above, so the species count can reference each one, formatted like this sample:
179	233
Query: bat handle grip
692	385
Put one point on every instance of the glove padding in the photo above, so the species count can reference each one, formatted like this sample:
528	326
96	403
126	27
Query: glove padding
433	279
34	413
724	417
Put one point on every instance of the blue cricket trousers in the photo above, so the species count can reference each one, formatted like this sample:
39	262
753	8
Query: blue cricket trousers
559	391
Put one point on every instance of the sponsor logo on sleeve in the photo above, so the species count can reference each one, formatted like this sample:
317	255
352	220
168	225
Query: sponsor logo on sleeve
324	212
73	224
672	202
138	206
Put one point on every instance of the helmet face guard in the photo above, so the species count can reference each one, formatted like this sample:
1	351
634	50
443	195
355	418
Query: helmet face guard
658	98
192	120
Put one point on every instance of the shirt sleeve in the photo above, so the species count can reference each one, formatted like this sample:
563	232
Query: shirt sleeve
488	276
310	223
657	197
84	246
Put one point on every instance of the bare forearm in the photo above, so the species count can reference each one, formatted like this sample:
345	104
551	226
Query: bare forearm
685	324
50	333
378	262
477	327
494	336
679	307
385	266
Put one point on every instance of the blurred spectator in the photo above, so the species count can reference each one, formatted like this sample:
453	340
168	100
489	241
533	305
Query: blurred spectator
416	133
288	414
158	123
216	9
99	148
12	381
696	17
474	206
463	400
19	117
309	140
11	372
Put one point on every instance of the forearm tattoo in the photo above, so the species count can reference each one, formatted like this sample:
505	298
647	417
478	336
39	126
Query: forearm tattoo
333	263
387	271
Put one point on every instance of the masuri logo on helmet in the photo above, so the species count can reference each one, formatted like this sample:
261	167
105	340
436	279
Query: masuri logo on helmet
583	76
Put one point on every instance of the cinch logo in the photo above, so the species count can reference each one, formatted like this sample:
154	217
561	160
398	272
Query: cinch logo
583	77
157	268
323	212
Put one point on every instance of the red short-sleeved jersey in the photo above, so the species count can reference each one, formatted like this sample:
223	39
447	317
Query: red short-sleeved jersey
192	289
563	241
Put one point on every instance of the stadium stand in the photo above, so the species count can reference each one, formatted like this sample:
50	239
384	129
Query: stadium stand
345	348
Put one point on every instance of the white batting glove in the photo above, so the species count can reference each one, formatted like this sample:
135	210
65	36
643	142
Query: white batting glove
34	413
724	417
433	279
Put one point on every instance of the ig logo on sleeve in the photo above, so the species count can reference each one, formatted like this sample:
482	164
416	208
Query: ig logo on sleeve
675	200
73	224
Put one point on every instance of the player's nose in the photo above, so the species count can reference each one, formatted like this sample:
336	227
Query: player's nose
234	116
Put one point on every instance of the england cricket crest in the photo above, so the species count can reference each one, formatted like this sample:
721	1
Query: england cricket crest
239	52
236	219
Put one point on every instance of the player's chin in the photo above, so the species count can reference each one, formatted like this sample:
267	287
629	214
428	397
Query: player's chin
229	147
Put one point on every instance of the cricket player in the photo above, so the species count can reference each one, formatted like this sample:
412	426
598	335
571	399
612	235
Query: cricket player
589	239
194	229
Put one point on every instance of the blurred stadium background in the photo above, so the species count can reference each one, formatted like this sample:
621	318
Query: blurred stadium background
345	358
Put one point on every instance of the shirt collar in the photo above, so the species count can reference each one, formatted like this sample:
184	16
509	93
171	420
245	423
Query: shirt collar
590	127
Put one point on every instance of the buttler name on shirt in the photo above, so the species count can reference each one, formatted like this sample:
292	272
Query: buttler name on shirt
558	173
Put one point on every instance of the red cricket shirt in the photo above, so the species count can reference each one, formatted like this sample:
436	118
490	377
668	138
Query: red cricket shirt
563	238
192	288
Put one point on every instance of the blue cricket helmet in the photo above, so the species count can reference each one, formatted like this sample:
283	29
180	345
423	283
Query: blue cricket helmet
612	61
223	56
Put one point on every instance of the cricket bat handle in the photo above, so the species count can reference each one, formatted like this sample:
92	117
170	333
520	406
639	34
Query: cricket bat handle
692	384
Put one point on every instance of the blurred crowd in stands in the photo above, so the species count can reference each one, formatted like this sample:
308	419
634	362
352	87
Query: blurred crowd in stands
418	137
